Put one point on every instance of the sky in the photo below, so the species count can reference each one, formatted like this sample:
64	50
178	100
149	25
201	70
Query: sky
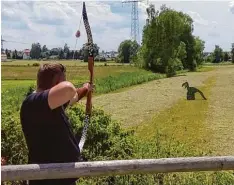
54	23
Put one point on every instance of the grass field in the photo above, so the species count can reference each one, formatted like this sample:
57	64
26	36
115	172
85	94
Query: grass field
185	120
64	62
106	77
161	106
73	72
168	117
158	112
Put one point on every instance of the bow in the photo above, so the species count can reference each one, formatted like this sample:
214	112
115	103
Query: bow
90	68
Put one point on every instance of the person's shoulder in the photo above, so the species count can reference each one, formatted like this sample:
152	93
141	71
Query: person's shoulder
35	98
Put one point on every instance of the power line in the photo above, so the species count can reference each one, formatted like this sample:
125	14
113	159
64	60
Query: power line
134	19
15	42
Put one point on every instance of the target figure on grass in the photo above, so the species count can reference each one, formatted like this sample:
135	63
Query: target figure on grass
191	91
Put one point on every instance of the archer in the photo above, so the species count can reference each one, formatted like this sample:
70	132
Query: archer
45	125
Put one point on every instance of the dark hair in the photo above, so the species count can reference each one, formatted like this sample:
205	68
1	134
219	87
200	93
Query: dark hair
49	74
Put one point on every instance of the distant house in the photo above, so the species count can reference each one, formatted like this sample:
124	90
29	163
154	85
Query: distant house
109	54
3	57
26	54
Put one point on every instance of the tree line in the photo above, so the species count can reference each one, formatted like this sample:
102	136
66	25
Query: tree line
218	55
168	44
38	52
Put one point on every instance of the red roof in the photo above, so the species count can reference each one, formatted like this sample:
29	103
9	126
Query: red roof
26	51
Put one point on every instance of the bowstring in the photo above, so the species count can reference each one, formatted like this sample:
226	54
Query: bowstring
77	37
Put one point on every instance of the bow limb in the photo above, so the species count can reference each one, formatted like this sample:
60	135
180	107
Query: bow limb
90	58
90	68
89	95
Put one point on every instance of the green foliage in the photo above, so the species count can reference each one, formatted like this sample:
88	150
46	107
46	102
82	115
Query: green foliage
100	59
13	143
166	37
226	57
106	141
209	58
181	53
112	83
36	64
232	51
35	52
173	66
218	54
199	48
84	51
164	146
127	50
61	54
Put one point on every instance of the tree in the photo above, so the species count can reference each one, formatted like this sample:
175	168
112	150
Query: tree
76	55
127	50
14	54
168	42
218	54
66	51
232	51
61	54
199	48
35	52
181	53
226	57
44	49
151	12
71	54
54	51
84	51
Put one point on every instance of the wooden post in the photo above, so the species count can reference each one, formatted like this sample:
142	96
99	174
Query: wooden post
116	167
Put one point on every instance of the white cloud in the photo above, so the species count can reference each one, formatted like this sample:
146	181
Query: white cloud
197	18
231	5
55	23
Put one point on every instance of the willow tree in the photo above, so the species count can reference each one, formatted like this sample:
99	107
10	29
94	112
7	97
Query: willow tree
168	44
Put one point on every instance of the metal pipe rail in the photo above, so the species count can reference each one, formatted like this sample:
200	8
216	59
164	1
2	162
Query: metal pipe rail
115	167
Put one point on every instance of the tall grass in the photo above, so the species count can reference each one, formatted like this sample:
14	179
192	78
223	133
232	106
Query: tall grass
107	141
107	79
112	83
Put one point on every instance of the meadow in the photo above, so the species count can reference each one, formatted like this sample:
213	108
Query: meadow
137	114
108	77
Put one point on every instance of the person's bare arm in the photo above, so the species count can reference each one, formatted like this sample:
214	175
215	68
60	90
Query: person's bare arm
80	93
60	94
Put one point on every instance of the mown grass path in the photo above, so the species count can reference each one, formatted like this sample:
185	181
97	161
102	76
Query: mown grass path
162	105
138	103
220	115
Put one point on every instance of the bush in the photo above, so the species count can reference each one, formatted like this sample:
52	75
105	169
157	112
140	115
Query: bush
173	66
100	59
106	140
112	83
36	64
